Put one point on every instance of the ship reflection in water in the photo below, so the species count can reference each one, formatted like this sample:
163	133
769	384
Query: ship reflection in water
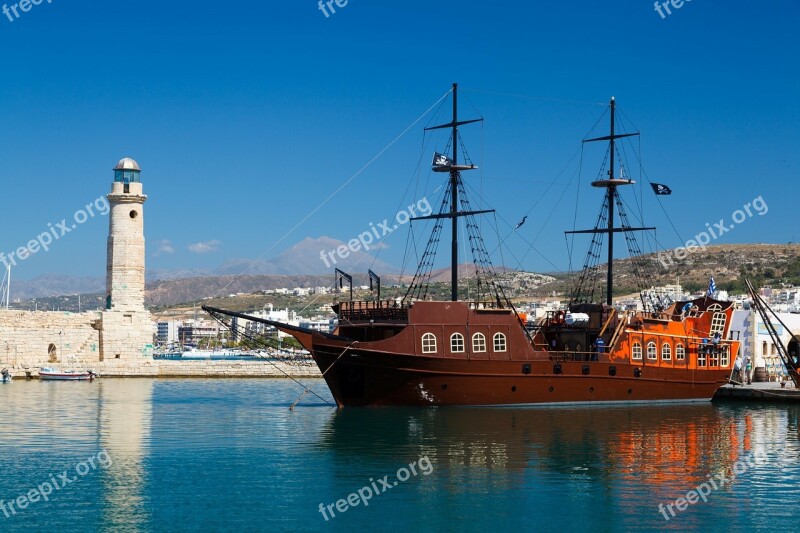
223	455
580	465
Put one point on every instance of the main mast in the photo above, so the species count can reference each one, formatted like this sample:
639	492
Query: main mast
454	170
612	197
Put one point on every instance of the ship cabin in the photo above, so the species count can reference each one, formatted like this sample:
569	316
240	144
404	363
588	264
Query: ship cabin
692	334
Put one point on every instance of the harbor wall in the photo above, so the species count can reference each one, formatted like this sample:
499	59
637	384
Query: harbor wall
37	338
149	368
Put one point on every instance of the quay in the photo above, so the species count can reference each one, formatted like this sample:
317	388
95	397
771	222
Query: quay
295	368
769	391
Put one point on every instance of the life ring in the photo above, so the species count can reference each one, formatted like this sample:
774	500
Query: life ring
559	317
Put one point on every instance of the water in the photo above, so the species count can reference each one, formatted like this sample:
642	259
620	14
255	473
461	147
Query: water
228	455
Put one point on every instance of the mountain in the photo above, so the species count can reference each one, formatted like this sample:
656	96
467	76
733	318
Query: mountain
48	285
308	257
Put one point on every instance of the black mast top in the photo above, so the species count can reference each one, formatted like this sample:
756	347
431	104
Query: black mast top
455	179
611	185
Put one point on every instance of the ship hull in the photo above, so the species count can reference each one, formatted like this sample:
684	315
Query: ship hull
375	379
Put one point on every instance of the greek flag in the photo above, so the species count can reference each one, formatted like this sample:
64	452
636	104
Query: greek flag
712	287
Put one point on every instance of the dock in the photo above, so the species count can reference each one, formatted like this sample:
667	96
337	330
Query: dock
770	391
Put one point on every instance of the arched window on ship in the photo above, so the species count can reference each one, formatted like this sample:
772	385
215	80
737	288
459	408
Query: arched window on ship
666	352
479	343
636	351
718	323
429	343
499	342
652	354
680	352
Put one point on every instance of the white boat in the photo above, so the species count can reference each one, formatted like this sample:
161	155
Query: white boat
5	376
53	374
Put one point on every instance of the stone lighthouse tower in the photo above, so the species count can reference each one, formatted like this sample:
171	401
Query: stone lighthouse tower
126	331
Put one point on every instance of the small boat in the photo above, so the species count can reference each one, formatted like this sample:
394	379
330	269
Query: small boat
52	374
5	376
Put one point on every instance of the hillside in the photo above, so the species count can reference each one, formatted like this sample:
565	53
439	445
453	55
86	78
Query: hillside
730	264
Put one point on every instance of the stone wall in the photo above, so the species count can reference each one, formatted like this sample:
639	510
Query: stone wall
126	335
36	338
149	368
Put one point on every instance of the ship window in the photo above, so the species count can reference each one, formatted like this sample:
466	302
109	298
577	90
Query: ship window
652	354
636	351
479	343
713	358
764	348
429	343
680	352
457	343
499	342
724	357
701	356
718	323
666	352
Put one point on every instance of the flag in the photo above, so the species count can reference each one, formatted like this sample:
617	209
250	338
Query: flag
660	189
521	222
441	161
712	287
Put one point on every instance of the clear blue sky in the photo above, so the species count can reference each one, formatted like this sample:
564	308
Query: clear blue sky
245	116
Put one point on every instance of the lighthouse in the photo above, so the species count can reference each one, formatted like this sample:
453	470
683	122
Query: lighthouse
125	256
126	331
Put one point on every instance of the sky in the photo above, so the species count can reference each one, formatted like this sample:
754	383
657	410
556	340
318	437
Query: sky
259	124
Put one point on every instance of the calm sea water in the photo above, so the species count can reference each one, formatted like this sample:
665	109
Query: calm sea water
206	455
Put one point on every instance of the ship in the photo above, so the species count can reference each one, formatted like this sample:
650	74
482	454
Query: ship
415	351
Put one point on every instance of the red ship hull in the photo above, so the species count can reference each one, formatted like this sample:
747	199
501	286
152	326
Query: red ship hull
372	363
371	379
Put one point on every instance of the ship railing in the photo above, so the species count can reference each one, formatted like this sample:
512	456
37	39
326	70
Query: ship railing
376	311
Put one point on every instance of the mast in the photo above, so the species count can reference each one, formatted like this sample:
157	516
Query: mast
454	177
454	170
612	196
611	192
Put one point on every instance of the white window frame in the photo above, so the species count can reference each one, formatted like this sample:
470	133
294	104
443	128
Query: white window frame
666	352
680	352
500	343
636	351
479	343
457	343
429	343
652	351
